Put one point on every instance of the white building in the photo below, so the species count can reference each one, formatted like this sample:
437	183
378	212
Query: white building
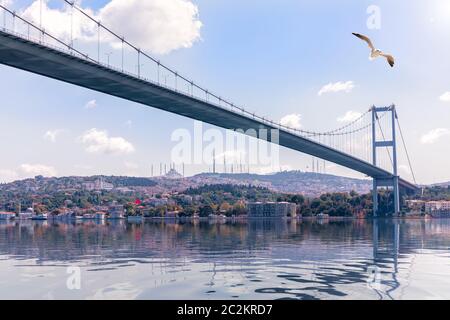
158	202
28	214
437	206
415	205
116	211
7	216
173	174
98	184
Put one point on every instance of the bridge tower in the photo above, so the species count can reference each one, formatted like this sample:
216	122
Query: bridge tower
392	143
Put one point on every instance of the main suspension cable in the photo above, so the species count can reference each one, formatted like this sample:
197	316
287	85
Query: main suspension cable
406	149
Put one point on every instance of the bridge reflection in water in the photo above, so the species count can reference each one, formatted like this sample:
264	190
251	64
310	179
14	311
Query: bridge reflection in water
381	259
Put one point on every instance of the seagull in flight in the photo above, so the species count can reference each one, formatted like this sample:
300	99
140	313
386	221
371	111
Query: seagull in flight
375	53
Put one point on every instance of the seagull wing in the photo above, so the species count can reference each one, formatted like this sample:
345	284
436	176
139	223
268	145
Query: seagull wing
390	59
364	38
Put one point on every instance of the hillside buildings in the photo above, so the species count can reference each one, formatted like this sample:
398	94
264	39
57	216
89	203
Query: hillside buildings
98	184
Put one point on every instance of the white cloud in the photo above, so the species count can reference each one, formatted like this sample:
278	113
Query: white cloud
5	3
158	26
292	121
349	116
51	135
337	87
26	171
445	97
91	104
98	141
434	135
37	170
58	21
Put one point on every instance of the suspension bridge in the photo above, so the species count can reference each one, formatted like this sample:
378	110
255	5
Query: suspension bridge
101	60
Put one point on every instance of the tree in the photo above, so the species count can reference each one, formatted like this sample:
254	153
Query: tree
239	210
130	209
188	211
225	206
206	211
298	199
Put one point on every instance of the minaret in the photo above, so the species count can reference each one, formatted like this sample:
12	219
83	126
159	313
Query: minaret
214	161
225	164
240	162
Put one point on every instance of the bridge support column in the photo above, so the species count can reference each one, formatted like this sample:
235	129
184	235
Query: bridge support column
394	182
375	198
396	197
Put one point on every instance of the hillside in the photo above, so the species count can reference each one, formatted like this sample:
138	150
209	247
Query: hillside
294	182
307	183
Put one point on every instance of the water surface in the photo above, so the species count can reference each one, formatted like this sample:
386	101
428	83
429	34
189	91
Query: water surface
265	259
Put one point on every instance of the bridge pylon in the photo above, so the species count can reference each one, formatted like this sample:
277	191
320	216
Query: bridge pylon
392	143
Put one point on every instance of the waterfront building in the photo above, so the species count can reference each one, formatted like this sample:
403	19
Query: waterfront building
7	216
171	214
271	210
100	216
116	211
28	214
415	205
437	207
63	214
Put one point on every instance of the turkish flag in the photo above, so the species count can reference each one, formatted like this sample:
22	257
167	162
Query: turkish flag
137	201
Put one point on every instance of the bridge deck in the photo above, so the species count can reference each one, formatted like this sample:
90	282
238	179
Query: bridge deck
30	56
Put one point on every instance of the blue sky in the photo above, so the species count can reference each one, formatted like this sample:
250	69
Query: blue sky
270	56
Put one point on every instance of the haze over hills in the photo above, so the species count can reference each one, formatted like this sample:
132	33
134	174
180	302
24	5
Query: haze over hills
441	184
307	183
295	182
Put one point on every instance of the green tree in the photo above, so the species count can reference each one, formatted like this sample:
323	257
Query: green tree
206	211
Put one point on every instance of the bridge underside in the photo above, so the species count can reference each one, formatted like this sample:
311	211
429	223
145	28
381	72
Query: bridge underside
29	56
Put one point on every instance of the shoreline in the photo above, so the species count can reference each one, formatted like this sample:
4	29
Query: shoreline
228	219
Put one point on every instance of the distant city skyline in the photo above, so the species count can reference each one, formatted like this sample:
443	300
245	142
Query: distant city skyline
258	54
